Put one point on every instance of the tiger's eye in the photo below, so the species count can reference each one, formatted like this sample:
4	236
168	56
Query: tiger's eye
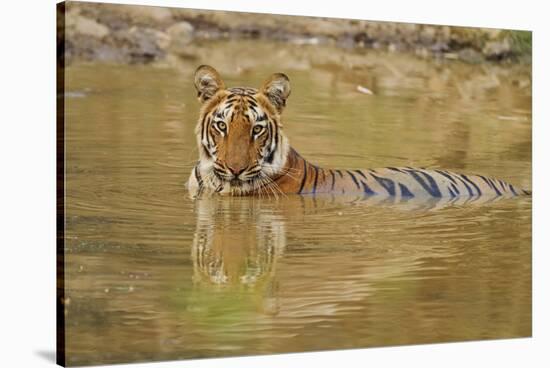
257	129
222	125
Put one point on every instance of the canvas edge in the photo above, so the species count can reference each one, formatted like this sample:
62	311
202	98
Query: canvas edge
60	183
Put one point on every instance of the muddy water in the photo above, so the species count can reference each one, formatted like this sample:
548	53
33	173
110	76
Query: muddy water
153	275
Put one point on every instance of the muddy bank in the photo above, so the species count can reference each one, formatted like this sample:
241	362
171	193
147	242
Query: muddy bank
142	34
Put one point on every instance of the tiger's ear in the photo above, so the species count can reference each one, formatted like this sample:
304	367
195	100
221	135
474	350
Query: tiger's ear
207	82
277	90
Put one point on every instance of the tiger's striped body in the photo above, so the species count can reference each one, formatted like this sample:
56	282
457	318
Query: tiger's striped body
401	182
243	151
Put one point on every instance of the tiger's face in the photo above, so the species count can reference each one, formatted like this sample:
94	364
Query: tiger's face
239	133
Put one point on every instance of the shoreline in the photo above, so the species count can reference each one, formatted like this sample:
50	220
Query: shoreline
143	34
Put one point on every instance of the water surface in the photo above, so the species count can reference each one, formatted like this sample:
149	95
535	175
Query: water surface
152	274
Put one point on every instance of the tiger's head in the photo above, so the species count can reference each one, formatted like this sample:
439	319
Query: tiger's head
239	132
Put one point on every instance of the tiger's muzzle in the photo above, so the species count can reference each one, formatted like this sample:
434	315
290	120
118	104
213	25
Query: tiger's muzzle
237	177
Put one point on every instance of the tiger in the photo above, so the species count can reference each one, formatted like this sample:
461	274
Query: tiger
243	151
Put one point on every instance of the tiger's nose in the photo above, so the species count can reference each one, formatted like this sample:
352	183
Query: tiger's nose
236	171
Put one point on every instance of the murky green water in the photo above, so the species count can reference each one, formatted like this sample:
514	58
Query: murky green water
154	275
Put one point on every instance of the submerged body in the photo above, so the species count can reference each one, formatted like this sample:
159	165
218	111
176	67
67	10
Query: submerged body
243	151
401	182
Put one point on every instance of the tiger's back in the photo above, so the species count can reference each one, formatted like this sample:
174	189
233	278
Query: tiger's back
401	182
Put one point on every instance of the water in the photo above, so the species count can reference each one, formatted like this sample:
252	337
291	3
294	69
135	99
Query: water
153	275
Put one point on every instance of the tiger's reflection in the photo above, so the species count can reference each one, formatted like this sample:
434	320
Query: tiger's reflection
239	241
